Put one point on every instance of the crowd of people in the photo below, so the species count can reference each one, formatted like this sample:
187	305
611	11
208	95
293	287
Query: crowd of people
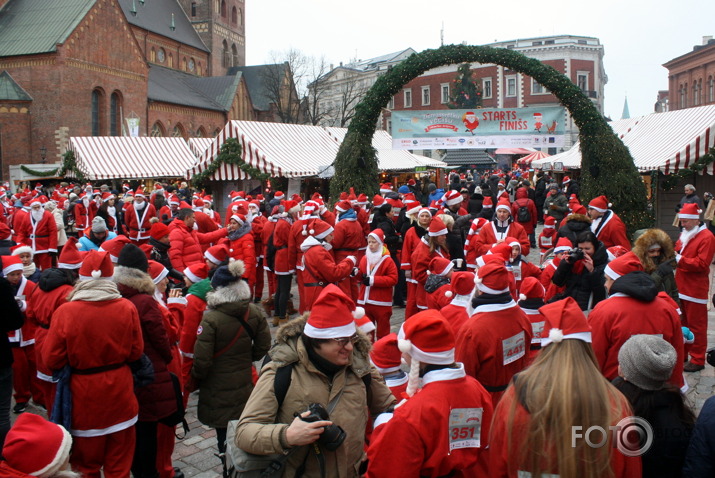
143	297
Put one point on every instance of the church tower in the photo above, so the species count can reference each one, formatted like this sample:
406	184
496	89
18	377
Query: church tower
222	27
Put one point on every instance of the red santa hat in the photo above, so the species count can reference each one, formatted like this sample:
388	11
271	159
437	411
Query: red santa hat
365	324
378	200
158	231
395	203
385	188
550	222
578	209
114	246
309	209
70	257
96	265
296	197
319	229
566	180
385	355
217	254
10	264
503	204
462	283
362	199
333	315
411	182
239	218
378	234
198	203
564	320
599	203
492	278
37	447
291	207
500	253
316	195
440	266
563	245
208	199
174	200
513	242
531	288
157	186
452	197
157	271
343	196
197	272
279	195
689	211
413	208
139	192
501	183
623	265
617	251
107	196
21	249
437	227
343	205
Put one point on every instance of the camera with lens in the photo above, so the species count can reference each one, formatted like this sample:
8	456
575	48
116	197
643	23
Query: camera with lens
333	435
576	255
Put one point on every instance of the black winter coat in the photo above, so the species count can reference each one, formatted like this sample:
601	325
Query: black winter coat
581	285
392	240
11	319
700	457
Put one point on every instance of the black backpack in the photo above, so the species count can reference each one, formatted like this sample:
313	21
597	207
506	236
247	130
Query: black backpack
523	214
282	380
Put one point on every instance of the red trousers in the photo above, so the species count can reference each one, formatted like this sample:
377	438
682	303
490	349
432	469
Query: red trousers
49	389
113	453
380	316
165	441
43	260
304	305
186	379
411	305
24	375
258	287
695	317
271	283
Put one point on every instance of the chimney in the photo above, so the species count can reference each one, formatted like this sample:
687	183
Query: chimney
706	39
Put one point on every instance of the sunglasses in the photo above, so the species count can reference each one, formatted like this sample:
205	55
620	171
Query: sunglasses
343	341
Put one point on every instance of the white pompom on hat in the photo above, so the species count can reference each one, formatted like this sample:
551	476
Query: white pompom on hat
96	265
531	288
333	315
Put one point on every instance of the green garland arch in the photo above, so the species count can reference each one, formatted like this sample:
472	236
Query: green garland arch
230	154
606	166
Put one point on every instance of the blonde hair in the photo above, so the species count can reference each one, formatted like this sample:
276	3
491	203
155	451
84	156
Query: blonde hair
447	220
563	388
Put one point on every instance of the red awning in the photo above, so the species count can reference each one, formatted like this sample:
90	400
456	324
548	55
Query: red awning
514	151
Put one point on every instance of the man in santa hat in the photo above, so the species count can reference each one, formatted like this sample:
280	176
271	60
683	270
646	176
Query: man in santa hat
499	229
460	296
84	211
443	429
348	240
433	244
606	225
378	276
298	233
137	218
531	298
492	344
694	254
40	232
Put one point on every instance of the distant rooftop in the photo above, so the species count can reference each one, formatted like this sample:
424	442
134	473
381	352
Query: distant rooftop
374	63
545	41
176	87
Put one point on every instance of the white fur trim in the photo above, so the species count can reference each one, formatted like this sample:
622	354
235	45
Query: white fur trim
210	257
61	456
690	216
584	336
160	277
64	265
597	208
613	275
441	232
503	206
11	268
22	250
347	330
324	234
192	277
489	290
367	327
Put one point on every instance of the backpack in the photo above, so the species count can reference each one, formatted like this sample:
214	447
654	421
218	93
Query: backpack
271	254
523	214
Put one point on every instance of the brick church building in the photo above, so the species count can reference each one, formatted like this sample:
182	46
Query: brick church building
97	67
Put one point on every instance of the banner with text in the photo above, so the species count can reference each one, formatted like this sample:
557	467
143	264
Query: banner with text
483	128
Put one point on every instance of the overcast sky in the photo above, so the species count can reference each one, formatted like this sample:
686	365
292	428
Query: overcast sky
638	35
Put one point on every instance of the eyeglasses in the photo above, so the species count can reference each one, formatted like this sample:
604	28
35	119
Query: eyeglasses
343	341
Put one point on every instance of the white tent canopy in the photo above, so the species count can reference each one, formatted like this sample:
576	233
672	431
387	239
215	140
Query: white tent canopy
658	141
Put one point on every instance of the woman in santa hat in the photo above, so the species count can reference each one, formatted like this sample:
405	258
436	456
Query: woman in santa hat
460	297
241	245
378	276
414	230
439	275
531	298
565	386
432	245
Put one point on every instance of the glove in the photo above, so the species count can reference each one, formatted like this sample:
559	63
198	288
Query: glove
664	269
553	207
367	280
354	272
688	336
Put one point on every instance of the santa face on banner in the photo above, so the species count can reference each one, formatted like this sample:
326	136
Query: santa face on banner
470	121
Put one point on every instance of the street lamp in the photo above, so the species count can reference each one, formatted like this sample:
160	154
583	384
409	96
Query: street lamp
43	154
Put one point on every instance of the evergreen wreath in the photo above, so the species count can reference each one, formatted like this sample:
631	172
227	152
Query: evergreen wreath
606	167
230	154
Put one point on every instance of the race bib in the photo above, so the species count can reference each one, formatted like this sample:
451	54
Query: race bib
546	241
537	328
465	428
516	270
513	348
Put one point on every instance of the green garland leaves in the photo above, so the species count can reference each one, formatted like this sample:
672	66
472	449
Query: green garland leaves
230	154
40	174
606	168
670	181
69	165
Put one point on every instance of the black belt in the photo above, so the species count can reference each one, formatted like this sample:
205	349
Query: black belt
344	249
138	230
316	284
93	370
499	388
43	326
535	347
281	247
32	236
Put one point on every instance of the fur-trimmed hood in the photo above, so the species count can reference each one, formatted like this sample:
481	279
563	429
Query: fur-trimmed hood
648	239
134	279
288	348
235	292
579	218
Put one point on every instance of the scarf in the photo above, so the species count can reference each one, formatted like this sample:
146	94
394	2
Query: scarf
486	299
349	214
94	290
27	271
323	365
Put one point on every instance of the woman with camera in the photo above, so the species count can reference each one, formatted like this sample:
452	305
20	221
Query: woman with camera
581	272
320	358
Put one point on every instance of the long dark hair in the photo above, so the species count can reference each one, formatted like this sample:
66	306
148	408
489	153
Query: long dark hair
645	402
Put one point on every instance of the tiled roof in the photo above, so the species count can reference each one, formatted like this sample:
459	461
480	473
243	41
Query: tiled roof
179	88
28	27
466	157
255	77
10	90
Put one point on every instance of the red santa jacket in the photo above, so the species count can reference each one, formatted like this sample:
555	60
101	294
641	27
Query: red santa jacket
266	231
363	218
137	223
409	243
43	305
420	260
538	320
173	317
522	268
257	225
281	238
348	239
522	199
611	231
103	402
493	343
694	259
41	235
443	430
383	277
25	335
244	249
186	244
456	312
83	215
329	217
19	218
503	464
193	314
320	269
205	223
438	299
470	243
488	237
616	319
295	240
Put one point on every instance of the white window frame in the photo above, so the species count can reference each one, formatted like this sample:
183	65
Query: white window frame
534	85
428	97
582	74
407	95
391	103
507	80
444	97
487	92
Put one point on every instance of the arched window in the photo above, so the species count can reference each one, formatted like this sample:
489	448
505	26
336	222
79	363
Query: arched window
178	131
184	64
157	131
98	111
191	65
226	56
115	114
684	96
223	9
199	69
240	17
696	97
216	132
711	90
201	132
234	55
152	55
161	55
170	60
234	16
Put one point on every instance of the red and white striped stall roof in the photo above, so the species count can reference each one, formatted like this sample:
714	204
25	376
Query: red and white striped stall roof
278	149
663	141
199	145
124	157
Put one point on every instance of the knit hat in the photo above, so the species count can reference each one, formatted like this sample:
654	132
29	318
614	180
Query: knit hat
492	278
564	320
531	288
217	254
437	227
440	266
403	189
227	275
114	246
157	271
487	202
10	264
158	231
319	229
599	203
452	197
133	257
563	245
98	224
21	249
385	354
550	222
647	361
621	266
378	234
197	272
37	447
365	324
333	315
690	211
96	265
462	283
70	257
503	204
